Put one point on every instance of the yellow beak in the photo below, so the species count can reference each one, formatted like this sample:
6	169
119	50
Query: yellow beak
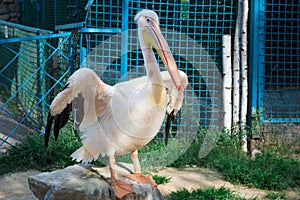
157	40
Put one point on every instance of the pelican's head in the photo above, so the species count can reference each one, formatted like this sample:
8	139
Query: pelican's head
150	36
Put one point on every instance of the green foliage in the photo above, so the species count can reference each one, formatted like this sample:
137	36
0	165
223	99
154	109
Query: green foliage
32	154
275	196
270	171
161	179
204	194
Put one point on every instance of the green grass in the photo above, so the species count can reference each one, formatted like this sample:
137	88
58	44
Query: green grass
204	194
270	171
275	196
32	154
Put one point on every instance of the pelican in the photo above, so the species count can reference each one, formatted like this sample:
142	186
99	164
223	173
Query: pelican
120	119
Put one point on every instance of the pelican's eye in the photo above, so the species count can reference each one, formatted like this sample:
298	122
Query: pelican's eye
148	20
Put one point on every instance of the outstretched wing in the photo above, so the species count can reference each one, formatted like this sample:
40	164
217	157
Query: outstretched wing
86	94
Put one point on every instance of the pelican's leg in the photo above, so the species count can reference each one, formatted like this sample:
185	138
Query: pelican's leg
136	162
121	188
138	176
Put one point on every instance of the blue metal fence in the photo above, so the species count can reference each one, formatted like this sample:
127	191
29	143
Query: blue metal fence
33	62
274	59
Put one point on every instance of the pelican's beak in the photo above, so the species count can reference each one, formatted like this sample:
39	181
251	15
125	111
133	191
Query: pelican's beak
156	39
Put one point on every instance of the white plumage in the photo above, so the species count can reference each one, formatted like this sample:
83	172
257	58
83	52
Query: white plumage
120	119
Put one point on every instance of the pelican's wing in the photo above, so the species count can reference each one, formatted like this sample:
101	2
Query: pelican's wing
175	99
86	94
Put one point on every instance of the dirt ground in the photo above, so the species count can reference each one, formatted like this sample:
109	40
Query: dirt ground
15	186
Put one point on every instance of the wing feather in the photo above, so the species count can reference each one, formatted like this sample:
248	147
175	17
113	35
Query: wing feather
86	94
174	100
175	97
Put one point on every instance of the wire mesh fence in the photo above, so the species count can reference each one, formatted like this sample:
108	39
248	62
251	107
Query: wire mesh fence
30	64
194	31
48	14
278	72
107	42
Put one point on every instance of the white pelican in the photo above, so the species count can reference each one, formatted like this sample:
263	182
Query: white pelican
120	119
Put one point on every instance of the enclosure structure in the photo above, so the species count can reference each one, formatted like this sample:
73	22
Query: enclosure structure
274	59
103	36
33	62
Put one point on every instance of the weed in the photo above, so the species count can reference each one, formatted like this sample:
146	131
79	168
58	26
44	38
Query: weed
161	179
275	196
204	194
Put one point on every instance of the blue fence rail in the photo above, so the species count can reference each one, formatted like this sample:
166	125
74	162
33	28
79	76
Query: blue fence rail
33	62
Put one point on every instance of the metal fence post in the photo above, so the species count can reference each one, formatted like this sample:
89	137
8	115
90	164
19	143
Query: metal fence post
124	45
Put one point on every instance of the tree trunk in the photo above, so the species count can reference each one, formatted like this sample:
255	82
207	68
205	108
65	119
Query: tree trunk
227	81
236	72
244	74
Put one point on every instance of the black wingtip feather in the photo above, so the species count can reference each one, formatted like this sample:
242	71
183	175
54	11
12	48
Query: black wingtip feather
48	129
61	120
170	117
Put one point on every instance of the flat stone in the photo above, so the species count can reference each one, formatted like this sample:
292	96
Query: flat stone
4	17
85	182
3	9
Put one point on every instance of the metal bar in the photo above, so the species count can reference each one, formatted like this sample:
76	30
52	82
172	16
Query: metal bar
27	115
33	74
261	55
82	51
101	30
70	26
14	58
253	54
25	28
40	80
89	4
71	57
124	45
56	35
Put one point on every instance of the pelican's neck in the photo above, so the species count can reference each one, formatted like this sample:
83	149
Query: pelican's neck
151	65
152	70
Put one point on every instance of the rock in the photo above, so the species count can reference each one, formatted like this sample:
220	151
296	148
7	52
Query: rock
254	153
13	7
3	9
8	1
4	17
85	182
13	14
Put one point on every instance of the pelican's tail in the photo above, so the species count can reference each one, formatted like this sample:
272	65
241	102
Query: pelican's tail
83	155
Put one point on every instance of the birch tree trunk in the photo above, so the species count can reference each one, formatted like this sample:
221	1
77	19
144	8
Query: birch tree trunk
227	81
244	74
236	72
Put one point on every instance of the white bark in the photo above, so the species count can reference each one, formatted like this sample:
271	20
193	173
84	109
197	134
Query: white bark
227	81
236	72
244	74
